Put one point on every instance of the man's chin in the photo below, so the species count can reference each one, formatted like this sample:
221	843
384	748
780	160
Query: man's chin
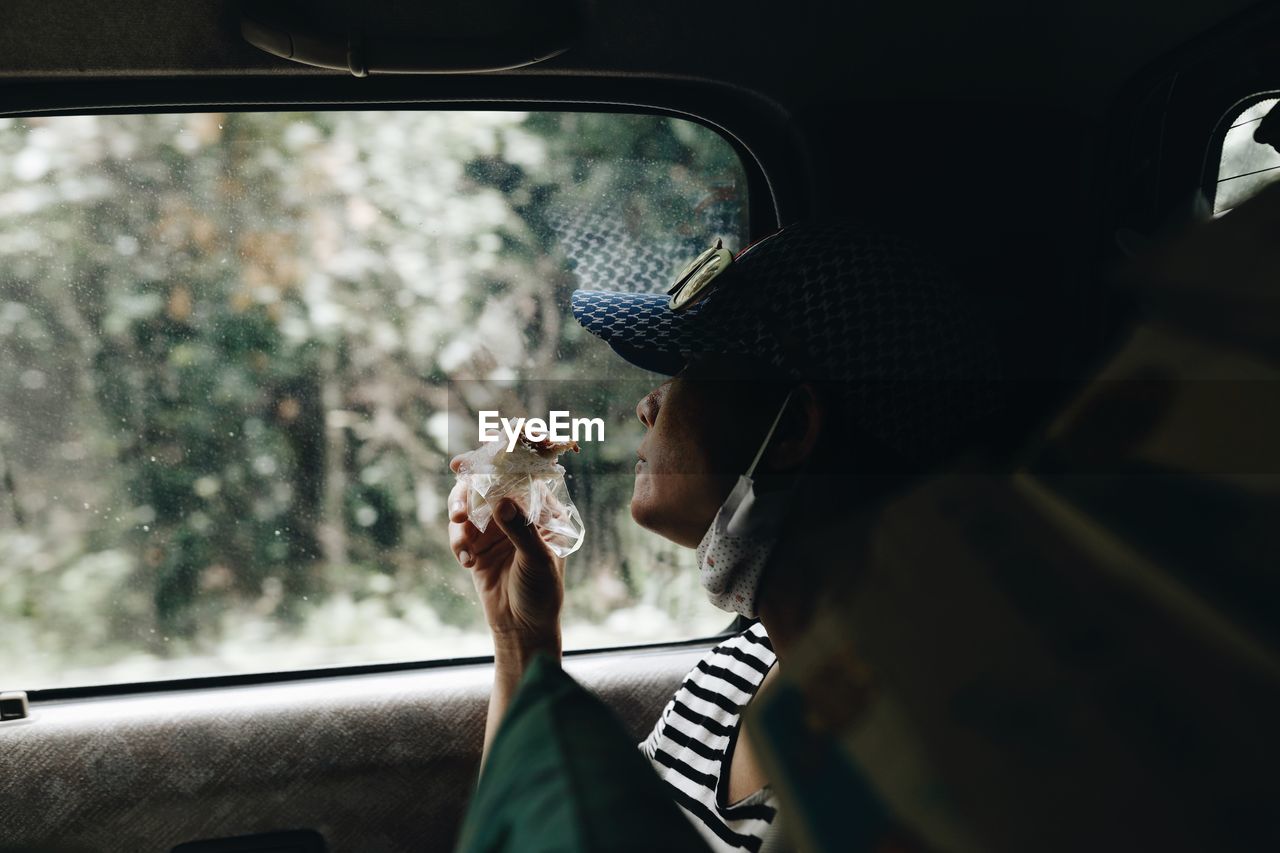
653	519
645	514
641	512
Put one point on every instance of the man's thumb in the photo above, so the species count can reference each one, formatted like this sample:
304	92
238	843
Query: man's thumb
518	529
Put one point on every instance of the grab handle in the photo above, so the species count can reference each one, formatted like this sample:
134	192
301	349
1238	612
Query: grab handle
541	31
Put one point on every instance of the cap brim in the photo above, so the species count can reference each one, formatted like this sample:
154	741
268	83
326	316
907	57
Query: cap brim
640	328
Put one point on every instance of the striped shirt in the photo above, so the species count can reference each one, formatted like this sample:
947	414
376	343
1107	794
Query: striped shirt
697	730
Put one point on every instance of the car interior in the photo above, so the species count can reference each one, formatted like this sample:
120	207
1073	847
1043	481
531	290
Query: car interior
306	163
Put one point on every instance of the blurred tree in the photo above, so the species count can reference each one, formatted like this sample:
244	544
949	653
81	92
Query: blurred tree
225	342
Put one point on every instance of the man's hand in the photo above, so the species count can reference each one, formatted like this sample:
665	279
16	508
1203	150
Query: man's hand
519	580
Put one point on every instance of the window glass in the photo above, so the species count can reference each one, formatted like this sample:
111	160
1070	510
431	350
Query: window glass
232	347
1246	166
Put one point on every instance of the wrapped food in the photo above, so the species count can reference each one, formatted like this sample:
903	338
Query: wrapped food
530	474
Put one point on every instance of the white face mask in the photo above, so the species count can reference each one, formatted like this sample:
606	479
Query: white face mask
735	548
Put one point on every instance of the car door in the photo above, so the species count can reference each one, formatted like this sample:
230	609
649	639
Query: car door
370	761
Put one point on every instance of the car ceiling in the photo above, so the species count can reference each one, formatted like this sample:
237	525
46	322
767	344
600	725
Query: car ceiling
1076	54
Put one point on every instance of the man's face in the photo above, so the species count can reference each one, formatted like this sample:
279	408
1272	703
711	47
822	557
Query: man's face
701	432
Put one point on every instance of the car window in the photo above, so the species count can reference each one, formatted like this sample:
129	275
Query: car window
237	351
1246	166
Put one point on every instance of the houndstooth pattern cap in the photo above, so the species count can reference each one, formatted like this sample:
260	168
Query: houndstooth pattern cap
866	312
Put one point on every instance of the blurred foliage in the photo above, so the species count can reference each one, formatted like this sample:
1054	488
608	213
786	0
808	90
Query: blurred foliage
231	350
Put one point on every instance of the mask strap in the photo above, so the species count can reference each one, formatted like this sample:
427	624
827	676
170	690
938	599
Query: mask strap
769	435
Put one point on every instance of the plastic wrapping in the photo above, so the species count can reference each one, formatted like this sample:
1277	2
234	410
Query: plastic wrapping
535	481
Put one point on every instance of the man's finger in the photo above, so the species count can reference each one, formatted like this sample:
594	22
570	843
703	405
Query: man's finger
522	534
466	536
477	543
462	538
458	502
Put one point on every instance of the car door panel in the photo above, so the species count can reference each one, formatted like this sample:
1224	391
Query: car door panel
380	762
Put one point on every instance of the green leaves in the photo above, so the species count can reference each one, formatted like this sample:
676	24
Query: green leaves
223	336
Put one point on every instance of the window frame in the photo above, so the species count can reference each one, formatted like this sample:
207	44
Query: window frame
758	129
249	679
1213	151
762	132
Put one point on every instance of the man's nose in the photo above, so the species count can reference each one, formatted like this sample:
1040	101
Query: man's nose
647	409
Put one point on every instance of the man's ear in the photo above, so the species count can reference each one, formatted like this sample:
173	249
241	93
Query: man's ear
799	430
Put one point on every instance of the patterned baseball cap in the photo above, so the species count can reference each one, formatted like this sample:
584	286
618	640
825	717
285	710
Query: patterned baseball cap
867	313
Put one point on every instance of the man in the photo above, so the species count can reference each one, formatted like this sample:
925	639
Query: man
813	374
